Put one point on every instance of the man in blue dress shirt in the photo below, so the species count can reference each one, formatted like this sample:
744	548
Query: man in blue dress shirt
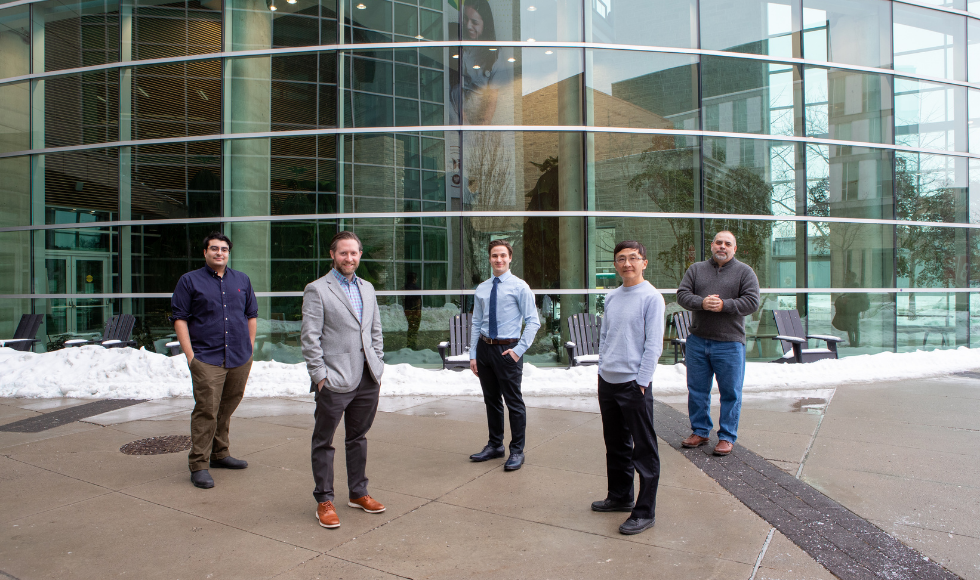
214	314
501	306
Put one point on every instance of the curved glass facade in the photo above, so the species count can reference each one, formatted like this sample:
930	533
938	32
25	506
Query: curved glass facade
838	139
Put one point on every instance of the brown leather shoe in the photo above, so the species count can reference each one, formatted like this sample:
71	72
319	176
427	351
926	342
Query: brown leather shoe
694	441
367	503
327	515
724	447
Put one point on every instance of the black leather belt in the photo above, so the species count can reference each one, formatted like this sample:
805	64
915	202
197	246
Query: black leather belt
499	340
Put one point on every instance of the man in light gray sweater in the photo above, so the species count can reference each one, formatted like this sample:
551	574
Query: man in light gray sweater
721	292
630	344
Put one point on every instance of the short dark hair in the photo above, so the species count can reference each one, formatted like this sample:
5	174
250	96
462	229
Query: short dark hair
217	236
504	243
630	245
345	235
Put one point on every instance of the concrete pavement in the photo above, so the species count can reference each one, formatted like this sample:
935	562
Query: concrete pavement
902	455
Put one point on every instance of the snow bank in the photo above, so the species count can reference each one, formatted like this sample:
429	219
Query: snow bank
95	372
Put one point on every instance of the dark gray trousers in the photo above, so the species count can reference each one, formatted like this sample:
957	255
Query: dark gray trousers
358	409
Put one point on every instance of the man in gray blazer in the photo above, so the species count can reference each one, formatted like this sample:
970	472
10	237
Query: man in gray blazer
342	346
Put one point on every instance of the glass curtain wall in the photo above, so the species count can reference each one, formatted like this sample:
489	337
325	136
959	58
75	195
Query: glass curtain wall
836	138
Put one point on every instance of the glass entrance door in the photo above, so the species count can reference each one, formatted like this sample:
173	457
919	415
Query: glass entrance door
77	275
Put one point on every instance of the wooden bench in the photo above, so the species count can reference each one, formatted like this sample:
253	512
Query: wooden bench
26	333
794	340
118	332
455	352
682	326
583	348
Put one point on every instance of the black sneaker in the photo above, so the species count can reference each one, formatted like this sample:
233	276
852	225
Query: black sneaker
636	525
607	505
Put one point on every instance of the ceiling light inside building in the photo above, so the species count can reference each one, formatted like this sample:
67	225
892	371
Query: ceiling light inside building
419	37
290	1
476	66
493	50
361	7
511	59
203	95
549	52
531	8
530	40
455	56
272	7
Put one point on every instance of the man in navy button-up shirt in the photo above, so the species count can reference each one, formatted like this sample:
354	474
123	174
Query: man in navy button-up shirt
214	314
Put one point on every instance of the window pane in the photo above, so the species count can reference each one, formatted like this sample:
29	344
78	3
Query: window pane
15	117
850	255
80	187
931	188
78	33
15	30
751	26
176	180
864	320
652	173
162	253
645	22
646	90
165	29
384	21
848	31
751	176
848	105
852	182
81	108
519	86
15	191
929	115
748	96
931	321
177	100
372	78
929	42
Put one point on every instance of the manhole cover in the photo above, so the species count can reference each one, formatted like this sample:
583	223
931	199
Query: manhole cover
158	445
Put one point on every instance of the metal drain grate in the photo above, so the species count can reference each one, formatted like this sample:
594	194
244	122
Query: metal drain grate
158	445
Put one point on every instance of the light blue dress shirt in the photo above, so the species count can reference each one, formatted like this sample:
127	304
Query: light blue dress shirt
353	292
515	308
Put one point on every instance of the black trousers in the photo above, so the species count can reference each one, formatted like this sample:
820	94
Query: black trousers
631	444
500	376
358	409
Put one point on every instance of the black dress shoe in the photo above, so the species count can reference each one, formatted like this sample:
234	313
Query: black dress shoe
202	479
608	505
636	525
489	452
229	463
514	462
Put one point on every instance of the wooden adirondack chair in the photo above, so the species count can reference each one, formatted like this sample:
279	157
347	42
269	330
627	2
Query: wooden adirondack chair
118	332
456	352
583	349
26	333
794	340
682	324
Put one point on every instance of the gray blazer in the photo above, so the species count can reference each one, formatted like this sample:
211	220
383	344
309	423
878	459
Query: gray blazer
335	345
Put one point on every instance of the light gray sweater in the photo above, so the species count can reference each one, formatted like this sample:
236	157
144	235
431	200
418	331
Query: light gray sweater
632	335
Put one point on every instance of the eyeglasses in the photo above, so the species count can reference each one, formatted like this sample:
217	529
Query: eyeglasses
220	249
635	258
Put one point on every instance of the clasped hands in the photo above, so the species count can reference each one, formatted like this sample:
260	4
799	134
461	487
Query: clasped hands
713	303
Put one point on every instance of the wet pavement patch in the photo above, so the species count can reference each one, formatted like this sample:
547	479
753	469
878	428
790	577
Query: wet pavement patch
54	419
968	374
158	445
844	543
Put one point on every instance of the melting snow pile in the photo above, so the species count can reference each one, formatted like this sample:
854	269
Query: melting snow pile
95	372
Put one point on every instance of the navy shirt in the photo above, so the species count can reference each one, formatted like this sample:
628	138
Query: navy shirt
217	309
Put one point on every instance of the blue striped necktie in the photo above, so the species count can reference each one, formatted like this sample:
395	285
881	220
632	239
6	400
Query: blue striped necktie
493	308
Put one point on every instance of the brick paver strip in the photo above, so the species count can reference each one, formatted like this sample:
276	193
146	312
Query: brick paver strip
846	544
54	419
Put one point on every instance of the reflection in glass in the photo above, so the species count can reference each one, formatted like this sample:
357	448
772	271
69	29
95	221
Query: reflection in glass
845	248
651	173
176	180
176	100
865	321
15	29
518	20
81	187
77	33
846	181
163	28
973	49
643	90
749	96
751	26
931	321
848	31
848	105
929	42
15	116
15	191
15	278
930	115
645	22
385	21
404	87
81	108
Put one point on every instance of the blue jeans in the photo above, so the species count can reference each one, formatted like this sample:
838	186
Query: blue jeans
725	361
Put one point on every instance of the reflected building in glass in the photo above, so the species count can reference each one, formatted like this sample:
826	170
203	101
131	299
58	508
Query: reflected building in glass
838	139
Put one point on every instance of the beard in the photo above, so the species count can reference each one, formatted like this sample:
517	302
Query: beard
345	269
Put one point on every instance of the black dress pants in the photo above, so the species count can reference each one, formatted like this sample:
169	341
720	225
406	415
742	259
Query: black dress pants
631	444
500	376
